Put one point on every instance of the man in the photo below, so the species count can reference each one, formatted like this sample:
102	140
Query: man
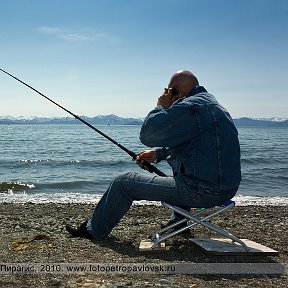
200	142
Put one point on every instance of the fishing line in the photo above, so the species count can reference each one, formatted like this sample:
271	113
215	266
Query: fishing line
147	165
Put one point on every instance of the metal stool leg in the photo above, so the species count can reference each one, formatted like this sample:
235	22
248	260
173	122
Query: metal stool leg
157	238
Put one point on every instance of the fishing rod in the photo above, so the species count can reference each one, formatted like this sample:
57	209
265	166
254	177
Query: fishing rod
146	164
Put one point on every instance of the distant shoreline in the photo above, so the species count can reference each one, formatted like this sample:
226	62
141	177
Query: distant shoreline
116	120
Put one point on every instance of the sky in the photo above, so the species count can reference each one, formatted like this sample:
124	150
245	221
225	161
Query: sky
100	57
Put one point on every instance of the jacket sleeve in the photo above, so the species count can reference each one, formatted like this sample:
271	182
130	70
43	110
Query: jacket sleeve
162	154
170	127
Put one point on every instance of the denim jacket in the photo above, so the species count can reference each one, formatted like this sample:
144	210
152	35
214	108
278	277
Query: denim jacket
199	138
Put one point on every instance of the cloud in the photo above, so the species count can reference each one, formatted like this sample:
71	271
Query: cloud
50	30
86	34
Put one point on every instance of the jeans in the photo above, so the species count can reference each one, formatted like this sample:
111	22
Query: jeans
131	186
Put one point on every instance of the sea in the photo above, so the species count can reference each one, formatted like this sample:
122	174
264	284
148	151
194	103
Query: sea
74	164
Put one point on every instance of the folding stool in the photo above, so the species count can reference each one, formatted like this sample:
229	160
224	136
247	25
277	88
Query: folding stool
235	245
195	218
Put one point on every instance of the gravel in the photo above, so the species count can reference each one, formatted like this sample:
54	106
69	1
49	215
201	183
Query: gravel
35	233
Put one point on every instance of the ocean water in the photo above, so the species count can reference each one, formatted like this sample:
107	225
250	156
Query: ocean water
72	163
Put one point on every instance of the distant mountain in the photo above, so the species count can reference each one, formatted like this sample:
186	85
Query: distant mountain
116	120
271	122
98	120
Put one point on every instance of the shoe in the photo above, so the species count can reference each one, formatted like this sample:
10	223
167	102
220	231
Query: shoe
81	231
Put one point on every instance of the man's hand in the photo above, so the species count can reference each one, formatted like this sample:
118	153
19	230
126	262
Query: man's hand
166	99
147	155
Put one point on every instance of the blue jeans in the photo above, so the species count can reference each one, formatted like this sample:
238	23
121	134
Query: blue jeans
131	186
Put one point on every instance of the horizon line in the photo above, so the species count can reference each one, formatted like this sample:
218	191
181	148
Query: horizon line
126	117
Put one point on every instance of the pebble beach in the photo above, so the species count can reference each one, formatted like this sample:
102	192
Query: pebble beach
35	233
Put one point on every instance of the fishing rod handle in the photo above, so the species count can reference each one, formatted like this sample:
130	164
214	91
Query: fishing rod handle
153	169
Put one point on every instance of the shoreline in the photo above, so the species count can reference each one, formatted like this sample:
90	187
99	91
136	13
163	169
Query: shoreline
92	198
266	225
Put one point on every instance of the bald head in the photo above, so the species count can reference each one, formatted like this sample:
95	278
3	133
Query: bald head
184	81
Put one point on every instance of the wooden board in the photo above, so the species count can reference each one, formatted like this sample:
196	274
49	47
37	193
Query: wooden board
227	247
146	246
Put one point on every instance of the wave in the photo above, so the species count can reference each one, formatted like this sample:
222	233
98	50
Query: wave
102	161
15	186
71	163
52	188
93	198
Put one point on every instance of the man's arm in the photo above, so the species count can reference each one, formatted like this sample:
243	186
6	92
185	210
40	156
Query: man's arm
169	127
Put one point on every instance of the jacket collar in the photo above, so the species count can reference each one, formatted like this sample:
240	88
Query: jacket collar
196	90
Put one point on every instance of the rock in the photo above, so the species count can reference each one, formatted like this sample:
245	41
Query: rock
79	280
55	282
107	285
90	285
165	282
